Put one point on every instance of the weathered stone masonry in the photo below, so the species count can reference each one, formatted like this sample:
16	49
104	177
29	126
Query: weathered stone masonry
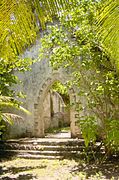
35	84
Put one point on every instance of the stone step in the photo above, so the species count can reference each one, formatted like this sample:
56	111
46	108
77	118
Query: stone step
42	152
43	148
29	156
40	147
45	141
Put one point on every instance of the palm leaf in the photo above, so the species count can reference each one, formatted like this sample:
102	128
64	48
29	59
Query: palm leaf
108	28
20	22
7	118
8	103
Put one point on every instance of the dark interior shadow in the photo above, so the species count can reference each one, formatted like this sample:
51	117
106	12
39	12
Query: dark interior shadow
15	170
7	155
20	177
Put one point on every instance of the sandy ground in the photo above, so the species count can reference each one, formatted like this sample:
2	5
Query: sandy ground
25	169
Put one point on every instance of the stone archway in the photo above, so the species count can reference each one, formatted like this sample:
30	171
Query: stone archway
35	85
38	107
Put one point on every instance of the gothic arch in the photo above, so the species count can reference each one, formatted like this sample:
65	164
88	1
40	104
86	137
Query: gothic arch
38	106
35	84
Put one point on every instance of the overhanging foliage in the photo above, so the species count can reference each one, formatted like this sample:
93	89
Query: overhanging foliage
75	46
21	20
108	28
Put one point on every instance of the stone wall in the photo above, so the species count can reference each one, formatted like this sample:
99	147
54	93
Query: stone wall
36	84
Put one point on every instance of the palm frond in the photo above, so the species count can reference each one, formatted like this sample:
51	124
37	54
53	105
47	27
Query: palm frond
7	118
24	110
17	27
10	118
20	22
108	24
9	102
5	98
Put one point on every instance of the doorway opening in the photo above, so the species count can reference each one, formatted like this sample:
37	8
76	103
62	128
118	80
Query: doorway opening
56	112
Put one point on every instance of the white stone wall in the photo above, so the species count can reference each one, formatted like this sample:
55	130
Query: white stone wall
35	84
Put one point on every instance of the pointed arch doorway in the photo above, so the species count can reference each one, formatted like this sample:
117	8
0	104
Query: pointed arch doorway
56	114
49	117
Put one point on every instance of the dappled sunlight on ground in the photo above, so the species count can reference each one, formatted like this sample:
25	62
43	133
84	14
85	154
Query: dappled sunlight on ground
22	169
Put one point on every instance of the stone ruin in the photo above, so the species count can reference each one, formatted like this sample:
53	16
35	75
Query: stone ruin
36	84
